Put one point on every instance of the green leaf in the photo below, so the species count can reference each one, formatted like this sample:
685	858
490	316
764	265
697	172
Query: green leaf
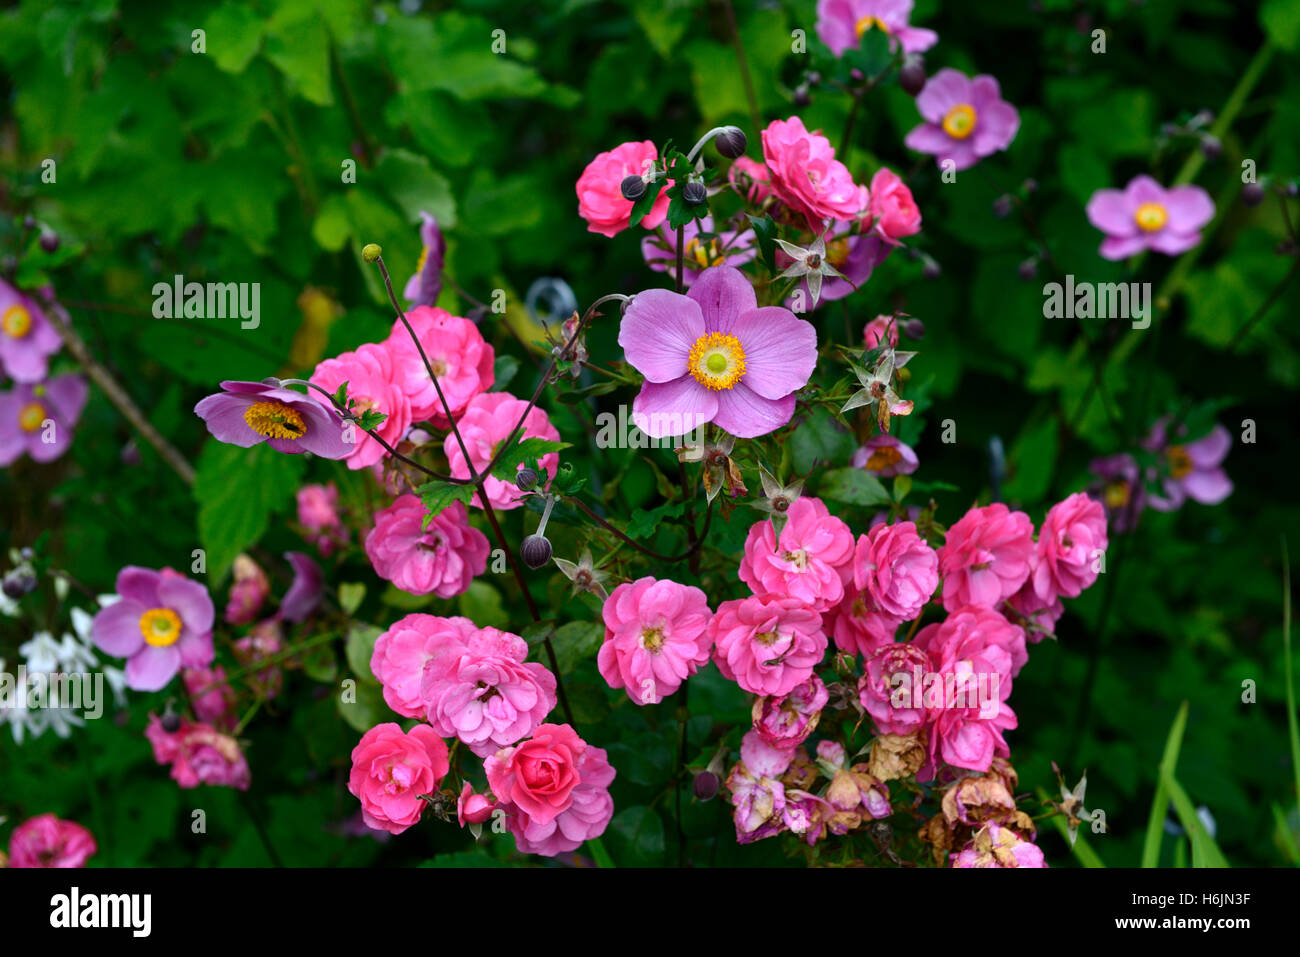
368	710
854	487
1205	852
643	523
233	34
644	203
301	52
1160	804
576	642
765	230
360	646
820	439
321	664
436	496
237	491
1281	21
636	837
663	28
482	604
530	448
416	187
351	594
1030	462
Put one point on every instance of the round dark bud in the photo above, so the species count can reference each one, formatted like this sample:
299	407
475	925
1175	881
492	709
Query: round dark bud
913	329
706	785
49	242
535	551
1211	146
525	478
171	723
931	270
1252	194
632	187
695	193
731	142
911	75
29	221
18	582
801	97
814	78
1028	269
1002	207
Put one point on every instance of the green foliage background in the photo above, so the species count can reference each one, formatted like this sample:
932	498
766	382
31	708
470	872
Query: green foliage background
226	166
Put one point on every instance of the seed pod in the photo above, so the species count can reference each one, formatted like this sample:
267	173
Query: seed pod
535	551
801	97
911	75
632	187
695	193
731	142
49	241
931	270
525	478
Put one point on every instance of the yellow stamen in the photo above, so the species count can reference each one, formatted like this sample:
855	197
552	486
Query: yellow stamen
1150	217
424	257
160	626
767	638
275	420
705	254
959	123
31	416
1180	463
17	321
1116	495
652	639
837	250
866	23
884	457
717	360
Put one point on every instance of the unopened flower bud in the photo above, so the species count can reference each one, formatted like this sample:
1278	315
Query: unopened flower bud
526	478
913	328
1252	194
706	785
731	142
535	551
1030	185
911	75
370	252
171	722
29	221
1211	146
19	582
8	263
801	97
632	187
1002	206
49	241
695	193
1028	269
813	77
1291	189
931	270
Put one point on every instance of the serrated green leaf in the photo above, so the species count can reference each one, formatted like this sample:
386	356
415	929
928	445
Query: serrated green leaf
854	487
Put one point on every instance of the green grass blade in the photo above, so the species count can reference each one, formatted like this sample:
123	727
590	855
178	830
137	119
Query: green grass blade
1160	806
1205	853
1284	838
599	853
1291	720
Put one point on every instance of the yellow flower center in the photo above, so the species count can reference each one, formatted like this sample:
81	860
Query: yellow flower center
959	122
275	420
884	457
705	254
1116	494
837	250
866	23
652	639
17	321
160	626
1180	463
1150	217
31	416
767	638
717	360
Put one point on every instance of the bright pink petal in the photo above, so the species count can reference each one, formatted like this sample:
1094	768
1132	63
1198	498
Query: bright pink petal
658	331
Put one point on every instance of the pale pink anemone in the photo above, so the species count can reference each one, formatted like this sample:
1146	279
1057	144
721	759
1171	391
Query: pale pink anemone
986	556
442	558
50	841
371	375
841	23
702	248
600	199
768	644
479	689
27	340
713	355
161	622
656	636
805	175
391	769
490	419
1146	216
896	569
1071	545
812	561
885	457
457	353
38	419
1190	469
965	119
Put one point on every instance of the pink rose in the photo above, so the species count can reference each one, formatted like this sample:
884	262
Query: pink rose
896	570
199	754
489	419
997	846
656	636
750	178
806	176
48	841
442	558
600	199
211	696
767	644
457	353
391	769
1071	543
1039	616
892	207
401	652
247	591
759	804
473	808
371	376
986	556
873	333
857	627
812	561
892	685
786	721
319	516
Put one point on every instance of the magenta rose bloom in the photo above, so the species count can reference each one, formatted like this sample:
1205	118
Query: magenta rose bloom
1191	469
199	754
656	636
986	556
600	199
373	382
1038	615
768	644
884	456
806	176
161	622
856	626
1070	542
27	340
391	769
841	23
965	120
211	696
1146	216
750	179
713	356
490	418
425	284
892	207
554	789
896	569
401	652
49	841
892	685
38	419
996	846
457	353
812	560
479	688
786	721
701	248
441	559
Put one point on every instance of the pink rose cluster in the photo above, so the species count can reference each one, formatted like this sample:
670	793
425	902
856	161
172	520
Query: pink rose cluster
199	754
473	684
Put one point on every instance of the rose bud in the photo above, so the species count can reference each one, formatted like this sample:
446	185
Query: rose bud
18	582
